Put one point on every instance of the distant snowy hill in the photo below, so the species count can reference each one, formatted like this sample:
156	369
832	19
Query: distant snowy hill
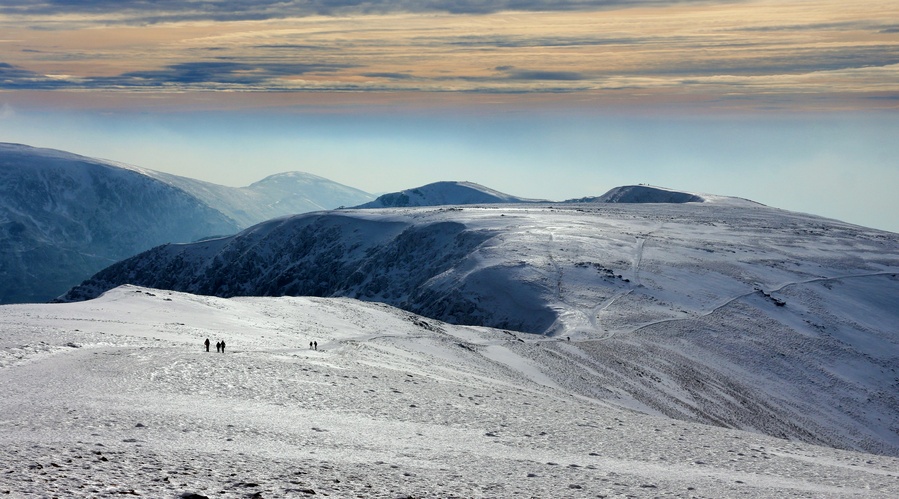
653	194
274	196
63	217
731	314
443	193
467	193
643	194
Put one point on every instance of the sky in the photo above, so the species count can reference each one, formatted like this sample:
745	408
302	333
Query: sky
794	104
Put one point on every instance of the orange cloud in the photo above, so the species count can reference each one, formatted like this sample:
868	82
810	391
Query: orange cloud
751	53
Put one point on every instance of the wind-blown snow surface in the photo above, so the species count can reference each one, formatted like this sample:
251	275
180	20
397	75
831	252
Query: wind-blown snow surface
736	315
115	397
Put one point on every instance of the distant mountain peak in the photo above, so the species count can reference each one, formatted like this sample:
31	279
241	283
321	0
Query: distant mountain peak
650	194
444	193
293	176
644	193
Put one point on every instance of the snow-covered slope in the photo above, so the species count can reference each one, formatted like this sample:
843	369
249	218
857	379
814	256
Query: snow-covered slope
63	217
116	397
443	193
736	315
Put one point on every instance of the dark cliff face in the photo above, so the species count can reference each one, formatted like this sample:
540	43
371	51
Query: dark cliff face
326	254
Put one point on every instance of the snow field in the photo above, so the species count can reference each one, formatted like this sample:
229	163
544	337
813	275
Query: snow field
115	397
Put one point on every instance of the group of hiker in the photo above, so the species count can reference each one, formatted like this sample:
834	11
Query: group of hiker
219	345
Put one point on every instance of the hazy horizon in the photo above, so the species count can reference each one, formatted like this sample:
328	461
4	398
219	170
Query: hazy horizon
791	105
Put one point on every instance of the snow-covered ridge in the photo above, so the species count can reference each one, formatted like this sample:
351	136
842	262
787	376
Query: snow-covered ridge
63	217
738	315
276	195
53	245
